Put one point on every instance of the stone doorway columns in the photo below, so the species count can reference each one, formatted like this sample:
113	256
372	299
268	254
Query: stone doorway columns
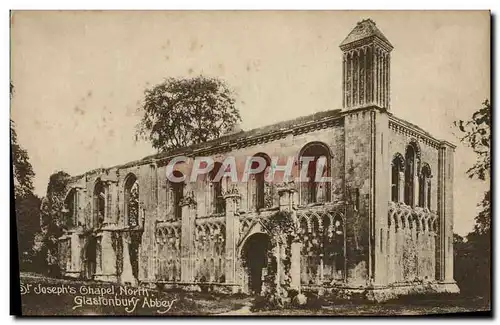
254	256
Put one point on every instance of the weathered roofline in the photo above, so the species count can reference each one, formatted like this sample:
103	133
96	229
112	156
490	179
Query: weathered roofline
261	135
238	140
421	132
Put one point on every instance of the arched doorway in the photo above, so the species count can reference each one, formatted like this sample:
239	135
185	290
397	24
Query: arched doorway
254	255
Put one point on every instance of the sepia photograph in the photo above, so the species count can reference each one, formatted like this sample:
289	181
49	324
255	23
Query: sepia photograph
251	163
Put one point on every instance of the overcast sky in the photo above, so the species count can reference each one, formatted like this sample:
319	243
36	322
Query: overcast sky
79	76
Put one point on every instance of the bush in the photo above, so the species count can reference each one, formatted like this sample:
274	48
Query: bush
314	301
299	301
292	293
472	261
267	302
260	303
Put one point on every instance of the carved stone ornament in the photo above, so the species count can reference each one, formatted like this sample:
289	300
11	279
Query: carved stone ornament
231	192
286	187
189	199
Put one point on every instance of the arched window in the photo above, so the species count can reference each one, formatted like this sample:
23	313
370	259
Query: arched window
397	168
99	204
132	201
218	205
70	209
176	195
425	186
318	159
260	192
411	166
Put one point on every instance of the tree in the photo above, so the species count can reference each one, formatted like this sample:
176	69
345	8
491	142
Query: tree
26	204
22	169
472	253
181	112
28	224
477	135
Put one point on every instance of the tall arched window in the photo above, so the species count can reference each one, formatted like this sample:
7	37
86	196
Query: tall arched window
131	201
397	168
218	204
99	204
260	192
70	208
318	159
411	166
425	187
176	195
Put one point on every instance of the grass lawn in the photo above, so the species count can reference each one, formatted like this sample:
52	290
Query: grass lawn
385	309
407	305
46	298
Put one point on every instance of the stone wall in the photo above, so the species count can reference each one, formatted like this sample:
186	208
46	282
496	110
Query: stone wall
321	234
415	243
290	145
203	245
411	244
210	251
167	253
359	191
161	250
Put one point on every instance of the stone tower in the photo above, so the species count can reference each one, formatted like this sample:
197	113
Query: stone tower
366	67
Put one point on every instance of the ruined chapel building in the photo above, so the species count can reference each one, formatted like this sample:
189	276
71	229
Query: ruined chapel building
384	224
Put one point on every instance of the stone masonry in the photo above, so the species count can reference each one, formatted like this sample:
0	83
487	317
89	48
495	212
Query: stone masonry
382	227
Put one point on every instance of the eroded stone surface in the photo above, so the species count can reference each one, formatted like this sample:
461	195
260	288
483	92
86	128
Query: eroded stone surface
379	229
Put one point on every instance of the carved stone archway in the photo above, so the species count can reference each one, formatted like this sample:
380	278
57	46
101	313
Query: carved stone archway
254	258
